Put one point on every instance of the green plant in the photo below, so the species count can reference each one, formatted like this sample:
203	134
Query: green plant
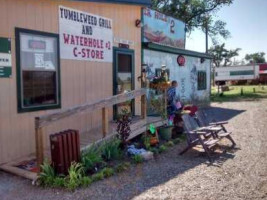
146	141
47	174
169	144
111	149
91	158
76	172
162	148
98	176
86	181
154	150
122	167
158	105
183	137
59	182
108	172
137	158
176	141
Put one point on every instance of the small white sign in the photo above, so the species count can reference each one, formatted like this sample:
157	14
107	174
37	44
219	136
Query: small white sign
39	60
123	41
5	60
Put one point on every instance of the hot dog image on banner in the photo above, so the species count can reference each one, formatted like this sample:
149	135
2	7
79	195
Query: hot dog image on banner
84	36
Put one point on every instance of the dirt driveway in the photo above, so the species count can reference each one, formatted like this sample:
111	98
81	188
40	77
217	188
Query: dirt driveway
236	174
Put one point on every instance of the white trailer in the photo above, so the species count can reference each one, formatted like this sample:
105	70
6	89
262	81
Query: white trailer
235	73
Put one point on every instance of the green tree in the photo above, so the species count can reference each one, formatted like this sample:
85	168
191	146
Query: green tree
196	14
256	57
222	56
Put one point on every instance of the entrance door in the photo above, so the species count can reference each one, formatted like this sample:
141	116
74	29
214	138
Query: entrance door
123	77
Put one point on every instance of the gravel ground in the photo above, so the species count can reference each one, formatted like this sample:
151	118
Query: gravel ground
239	173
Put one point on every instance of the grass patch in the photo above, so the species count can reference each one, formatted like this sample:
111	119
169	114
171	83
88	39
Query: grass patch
97	163
169	144
108	172
176	140
137	159
122	167
239	93
162	148
91	158
98	176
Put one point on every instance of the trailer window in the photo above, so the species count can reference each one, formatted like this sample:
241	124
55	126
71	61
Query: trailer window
201	80
37	70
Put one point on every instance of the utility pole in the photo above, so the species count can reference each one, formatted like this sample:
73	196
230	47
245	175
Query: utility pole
207	38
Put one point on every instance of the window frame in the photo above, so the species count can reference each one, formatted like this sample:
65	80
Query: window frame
20	107
201	87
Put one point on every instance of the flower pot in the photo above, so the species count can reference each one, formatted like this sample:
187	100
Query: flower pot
165	132
153	140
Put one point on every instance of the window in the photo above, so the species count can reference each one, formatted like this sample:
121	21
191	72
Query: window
37	70
201	80
159	71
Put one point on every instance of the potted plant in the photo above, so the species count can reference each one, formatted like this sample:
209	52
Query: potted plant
159	106
153	135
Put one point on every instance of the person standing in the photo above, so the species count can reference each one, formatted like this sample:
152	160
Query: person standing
171	98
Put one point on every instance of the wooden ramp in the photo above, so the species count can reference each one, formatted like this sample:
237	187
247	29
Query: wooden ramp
105	132
138	126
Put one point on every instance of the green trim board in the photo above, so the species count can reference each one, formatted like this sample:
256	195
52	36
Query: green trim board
168	49
240	73
5	58
5	72
20	108
5	45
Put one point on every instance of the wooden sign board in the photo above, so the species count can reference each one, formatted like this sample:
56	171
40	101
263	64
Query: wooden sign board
5	58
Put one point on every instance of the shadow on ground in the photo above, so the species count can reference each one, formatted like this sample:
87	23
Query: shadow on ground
222	114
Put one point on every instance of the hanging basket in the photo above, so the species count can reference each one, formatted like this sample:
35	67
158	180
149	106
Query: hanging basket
159	86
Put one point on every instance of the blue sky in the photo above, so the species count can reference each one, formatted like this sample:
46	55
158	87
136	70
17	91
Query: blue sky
247	22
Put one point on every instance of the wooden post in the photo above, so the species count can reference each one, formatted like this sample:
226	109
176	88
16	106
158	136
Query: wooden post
104	121
165	101
143	106
39	145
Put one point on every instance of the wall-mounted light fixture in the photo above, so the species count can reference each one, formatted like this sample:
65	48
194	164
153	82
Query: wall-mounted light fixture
138	23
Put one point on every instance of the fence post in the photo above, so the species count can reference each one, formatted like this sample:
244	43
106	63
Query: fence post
104	121
39	144
143	106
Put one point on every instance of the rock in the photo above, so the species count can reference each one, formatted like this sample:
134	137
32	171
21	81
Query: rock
148	155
